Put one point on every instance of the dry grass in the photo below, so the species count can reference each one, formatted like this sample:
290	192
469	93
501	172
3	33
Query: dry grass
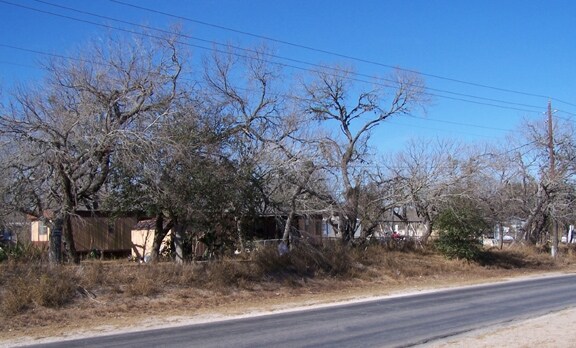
35	297
33	286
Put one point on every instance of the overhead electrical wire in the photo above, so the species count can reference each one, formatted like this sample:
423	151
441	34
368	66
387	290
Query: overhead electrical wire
18	64
427	119
395	122
409	115
252	51
55	55
300	61
288	59
474	157
459	123
336	54
64	57
270	55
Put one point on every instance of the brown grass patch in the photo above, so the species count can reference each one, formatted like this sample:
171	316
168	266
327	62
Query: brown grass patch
35	297
29	286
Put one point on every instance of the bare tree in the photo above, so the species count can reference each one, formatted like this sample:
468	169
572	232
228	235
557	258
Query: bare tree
64	133
429	173
332	100
494	186
262	130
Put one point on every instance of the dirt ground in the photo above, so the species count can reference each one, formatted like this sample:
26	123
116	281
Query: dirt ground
534	332
549	331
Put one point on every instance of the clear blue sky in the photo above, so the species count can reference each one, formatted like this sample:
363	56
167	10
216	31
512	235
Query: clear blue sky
526	46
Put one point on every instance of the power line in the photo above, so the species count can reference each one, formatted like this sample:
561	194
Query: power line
512	150
282	64
252	51
340	55
389	121
289	96
294	60
459	123
357	166
46	53
486	100
270	55
5	62
439	129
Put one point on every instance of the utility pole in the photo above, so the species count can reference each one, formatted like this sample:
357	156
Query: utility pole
551	142
552	174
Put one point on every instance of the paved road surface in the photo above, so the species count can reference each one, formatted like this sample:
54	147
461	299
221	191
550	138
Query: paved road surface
392	322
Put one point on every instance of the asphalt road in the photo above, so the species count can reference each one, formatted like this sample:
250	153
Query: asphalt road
392	322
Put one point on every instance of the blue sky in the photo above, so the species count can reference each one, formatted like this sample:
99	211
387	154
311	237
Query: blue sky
523	49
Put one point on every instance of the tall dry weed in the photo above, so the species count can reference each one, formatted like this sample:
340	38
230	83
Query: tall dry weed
15	298
35	285
26	286
54	289
227	273
93	274
143	287
304	260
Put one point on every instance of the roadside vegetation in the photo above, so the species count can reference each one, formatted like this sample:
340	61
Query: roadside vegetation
37	296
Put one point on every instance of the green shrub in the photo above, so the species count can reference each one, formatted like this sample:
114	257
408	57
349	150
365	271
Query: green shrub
460	232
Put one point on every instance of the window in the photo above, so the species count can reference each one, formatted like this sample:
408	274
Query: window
43	229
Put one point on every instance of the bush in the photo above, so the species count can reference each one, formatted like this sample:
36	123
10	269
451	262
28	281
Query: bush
337	260
460	232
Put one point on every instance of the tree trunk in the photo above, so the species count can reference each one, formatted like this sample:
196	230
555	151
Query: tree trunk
288	225
240	233
178	238
428	231
160	232
287	228
68	238
68	207
501	239
55	238
535	217
350	215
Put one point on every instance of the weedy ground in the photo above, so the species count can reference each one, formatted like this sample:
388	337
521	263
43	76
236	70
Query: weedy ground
37	300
